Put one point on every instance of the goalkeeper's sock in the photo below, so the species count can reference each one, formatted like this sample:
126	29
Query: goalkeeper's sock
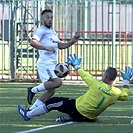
36	104
37	111
38	88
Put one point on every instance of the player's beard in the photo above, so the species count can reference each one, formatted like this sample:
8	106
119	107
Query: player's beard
47	25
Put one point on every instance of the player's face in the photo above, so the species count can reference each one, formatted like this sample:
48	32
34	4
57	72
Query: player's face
47	19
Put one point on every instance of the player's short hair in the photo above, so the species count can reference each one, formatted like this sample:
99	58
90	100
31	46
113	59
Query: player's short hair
46	10
111	73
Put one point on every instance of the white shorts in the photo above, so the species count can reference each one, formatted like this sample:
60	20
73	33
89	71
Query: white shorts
46	71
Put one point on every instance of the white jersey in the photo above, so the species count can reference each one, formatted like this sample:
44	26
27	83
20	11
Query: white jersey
47	38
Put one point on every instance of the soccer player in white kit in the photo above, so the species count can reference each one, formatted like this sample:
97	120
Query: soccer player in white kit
46	41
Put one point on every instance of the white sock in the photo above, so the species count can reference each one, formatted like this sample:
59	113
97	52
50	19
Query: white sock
36	104
37	111
38	88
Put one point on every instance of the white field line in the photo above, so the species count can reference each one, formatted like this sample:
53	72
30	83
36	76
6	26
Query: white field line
128	117
63	124
45	127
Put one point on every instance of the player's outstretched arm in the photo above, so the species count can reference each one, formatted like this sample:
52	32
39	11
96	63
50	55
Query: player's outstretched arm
74	61
71	42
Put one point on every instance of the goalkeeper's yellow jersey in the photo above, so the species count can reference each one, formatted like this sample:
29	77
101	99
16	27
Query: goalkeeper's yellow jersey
98	96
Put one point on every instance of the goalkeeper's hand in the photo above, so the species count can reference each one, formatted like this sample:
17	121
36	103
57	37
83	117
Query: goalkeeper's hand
74	61
127	75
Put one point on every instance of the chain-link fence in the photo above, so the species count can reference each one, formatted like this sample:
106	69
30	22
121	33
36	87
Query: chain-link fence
105	28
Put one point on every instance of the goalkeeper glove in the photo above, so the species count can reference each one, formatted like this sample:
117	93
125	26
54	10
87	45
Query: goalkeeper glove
127	75
74	61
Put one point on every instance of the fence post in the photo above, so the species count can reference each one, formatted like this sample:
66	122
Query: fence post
12	69
113	32
12	46
132	34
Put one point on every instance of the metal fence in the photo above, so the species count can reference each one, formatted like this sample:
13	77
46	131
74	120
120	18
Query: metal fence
105	28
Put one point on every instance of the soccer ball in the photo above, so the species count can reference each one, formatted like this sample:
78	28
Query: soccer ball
62	70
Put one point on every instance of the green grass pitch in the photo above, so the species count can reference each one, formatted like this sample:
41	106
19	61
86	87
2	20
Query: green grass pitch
118	118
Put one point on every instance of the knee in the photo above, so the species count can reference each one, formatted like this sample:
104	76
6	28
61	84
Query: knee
58	82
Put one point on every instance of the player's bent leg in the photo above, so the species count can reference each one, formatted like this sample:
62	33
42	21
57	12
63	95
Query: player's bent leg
46	95
50	86
53	83
57	82
41	100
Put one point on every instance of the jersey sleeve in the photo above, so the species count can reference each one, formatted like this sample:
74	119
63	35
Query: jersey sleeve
37	34
124	94
86	77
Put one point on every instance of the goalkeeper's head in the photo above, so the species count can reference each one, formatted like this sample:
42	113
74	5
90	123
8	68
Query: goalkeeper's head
109	75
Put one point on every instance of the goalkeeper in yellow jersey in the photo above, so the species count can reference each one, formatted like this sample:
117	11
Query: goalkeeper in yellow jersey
90	105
